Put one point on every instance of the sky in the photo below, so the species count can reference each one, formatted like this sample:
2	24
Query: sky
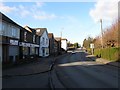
75	20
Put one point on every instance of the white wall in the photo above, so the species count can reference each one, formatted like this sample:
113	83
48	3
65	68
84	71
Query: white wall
64	44
44	44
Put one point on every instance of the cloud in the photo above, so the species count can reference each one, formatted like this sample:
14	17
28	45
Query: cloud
23	11
33	11
39	4
105	9
44	16
6	9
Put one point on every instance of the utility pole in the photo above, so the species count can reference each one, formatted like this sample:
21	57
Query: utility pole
61	32
101	33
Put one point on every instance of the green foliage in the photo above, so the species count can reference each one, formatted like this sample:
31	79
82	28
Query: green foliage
87	42
76	45
111	54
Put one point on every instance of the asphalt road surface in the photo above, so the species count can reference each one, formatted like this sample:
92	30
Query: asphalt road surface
74	70
78	71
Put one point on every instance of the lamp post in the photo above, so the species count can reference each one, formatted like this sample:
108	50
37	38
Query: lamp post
101	33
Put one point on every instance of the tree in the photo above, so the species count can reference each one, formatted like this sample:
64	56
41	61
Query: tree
111	36
87	42
75	45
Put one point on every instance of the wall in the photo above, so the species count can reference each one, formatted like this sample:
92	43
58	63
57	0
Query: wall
64	44
0	52
43	44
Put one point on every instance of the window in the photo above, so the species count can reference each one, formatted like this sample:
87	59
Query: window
4	29
32	50
0	28
14	32
9	31
25	50
17	32
43	40
25	36
33	38
46	41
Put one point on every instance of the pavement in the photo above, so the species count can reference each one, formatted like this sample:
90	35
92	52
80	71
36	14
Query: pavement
104	61
40	66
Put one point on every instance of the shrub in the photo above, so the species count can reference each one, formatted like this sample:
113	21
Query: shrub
112	54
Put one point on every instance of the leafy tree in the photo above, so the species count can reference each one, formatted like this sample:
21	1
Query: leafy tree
87	42
76	45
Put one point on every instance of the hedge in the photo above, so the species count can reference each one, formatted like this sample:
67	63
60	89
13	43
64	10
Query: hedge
112	54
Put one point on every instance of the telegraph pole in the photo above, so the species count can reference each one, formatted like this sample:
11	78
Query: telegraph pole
101	33
61	32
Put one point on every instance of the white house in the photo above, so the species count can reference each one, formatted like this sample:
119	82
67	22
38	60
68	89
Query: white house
64	43
44	41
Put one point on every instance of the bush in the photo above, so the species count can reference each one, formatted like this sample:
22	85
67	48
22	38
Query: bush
112	54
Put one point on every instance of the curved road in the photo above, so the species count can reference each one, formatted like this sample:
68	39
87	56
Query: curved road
78	71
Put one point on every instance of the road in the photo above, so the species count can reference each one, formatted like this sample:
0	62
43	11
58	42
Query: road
78	71
70	71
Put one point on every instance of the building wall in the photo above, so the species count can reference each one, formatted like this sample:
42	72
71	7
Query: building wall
9	32
0	52
64	44
28	41
44	45
51	46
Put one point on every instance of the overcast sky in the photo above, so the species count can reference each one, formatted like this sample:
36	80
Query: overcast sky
76	20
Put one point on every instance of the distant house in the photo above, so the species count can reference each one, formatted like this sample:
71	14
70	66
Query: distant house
51	43
44	41
64	44
58	44
9	44
29	43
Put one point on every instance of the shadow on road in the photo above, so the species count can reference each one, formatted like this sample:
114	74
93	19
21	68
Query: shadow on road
80	70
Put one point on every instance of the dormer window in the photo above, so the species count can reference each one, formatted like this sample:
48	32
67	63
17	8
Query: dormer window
25	36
